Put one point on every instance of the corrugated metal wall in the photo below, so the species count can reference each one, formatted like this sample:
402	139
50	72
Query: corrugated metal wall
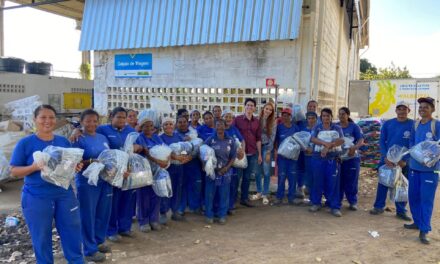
129	24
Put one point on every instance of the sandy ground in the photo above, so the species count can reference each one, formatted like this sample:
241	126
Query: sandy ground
285	234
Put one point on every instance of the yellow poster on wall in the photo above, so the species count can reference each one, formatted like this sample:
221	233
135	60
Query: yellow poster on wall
77	101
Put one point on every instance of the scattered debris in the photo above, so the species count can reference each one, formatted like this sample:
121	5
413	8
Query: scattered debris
207	226
318	259
374	234
197	241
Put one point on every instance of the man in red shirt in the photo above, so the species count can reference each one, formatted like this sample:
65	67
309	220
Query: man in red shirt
249	127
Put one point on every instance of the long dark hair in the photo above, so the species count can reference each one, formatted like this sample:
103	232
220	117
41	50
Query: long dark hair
116	110
347	111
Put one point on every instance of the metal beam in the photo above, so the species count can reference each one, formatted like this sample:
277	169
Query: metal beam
34	4
2	28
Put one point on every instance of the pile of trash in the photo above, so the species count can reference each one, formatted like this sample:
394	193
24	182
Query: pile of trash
371	151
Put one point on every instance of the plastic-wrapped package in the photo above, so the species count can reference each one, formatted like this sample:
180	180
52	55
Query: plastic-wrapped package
151	115
181	148
348	143
207	155
297	113
303	139
129	141
289	149
328	136
59	164
161	106
22	110
395	153
401	190
387	176
192	134
140	173
161	152
240	163
4	167
426	152
162	183
92	173
196	143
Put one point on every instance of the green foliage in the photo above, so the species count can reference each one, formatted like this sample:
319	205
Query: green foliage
391	72
85	71
366	65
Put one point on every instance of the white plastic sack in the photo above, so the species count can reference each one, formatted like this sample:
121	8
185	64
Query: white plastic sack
181	148
4	167
240	163
59	164
328	136
387	176
129	141
426	152
140	173
161	152
207	155
162	183
151	115
289	149
395	153
348	143
303	139
92	173
161	106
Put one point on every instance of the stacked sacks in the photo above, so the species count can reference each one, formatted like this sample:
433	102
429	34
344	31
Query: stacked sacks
371	151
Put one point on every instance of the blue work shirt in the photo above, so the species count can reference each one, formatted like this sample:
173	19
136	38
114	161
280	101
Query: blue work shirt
225	150
116	137
394	132
175	138
320	127
423	133
183	134
22	156
283	132
205	132
147	142
233	132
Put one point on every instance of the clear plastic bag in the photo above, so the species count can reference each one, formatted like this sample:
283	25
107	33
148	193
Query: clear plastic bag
298	114
181	148
303	139
149	114
4	167
328	136
387	176
289	149
161	106
162	183
348	143
426	152
395	153
140	173
59	164
401	190
196	143
240	163
161	152
129	141
207	155
92	173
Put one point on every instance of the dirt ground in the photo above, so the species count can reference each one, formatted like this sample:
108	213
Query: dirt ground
285	234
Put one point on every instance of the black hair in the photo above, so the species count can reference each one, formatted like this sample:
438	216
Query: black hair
347	111
311	114
88	112
220	120
250	100
312	101
181	116
216	106
132	110
207	113
181	111
117	110
328	111
44	106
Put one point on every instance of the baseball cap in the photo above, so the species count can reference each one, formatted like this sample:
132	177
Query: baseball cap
402	103
428	100
287	110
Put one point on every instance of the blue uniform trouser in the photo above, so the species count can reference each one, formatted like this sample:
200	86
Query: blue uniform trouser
148	206
39	213
381	197
349	179
308	174
133	204
192	186
212	190
95	204
326	180
264	172
286	170
173	203
247	175
233	191
301	169
421	194
122	211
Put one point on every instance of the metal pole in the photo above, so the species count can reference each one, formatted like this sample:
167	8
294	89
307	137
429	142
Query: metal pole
276	98
2	27
415	102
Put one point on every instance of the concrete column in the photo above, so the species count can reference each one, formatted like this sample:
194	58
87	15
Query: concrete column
85	55
2	31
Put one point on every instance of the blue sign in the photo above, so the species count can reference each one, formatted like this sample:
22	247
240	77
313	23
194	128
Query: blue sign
133	65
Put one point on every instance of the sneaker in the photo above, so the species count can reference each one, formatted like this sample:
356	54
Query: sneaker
314	208
163	219
246	203
423	238
265	200
353	207
232	212
145	228
177	217
299	193
222	221
126	234
411	226
155	226
103	248
97	257
376	211
336	212
209	221
277	202
114	238
403	216
255	197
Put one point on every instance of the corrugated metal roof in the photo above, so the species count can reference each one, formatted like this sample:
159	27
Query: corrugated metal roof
129	24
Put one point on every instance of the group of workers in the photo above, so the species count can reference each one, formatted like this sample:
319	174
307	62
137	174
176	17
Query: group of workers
87	218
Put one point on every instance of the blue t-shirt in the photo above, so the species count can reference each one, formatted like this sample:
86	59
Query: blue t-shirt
352	131
92	146
116	137
423	133
394	132
283	132
233	132
22	156
183	134
225	150
175	138
320	127
205	132
144	141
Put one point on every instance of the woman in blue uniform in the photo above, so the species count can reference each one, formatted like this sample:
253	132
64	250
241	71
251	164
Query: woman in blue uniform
306	156
225	152
351	165
192	173
121	217
148	203
326	165
43	202
194	120
286	167
233	132
95	201
207	129
170	136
